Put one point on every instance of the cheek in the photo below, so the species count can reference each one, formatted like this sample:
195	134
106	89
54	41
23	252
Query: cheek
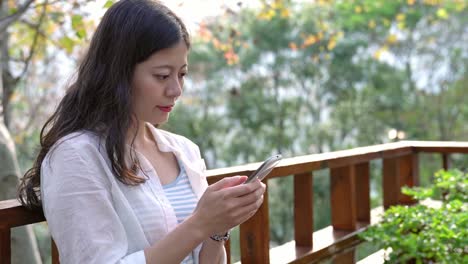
146	88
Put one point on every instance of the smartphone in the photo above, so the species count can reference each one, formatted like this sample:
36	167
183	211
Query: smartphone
264	169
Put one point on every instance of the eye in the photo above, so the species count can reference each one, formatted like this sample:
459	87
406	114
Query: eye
182	74
161	77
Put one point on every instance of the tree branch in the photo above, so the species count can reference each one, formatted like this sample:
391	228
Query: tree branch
7	20
41	33
34	44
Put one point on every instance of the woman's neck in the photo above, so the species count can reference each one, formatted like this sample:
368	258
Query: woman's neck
143	135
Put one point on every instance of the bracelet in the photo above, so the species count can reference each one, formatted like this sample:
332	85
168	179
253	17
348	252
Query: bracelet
220	238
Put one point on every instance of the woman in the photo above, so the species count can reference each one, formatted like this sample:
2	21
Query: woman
113	187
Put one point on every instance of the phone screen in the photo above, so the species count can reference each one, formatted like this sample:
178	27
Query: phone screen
264	169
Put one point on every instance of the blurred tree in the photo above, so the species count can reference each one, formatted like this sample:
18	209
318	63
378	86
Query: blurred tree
33	37
301	78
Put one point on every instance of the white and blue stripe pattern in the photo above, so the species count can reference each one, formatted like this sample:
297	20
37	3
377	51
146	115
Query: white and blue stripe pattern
183	200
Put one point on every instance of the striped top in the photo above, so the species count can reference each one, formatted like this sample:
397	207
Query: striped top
183	200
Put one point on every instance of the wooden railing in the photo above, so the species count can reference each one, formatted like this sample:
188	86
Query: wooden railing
349	192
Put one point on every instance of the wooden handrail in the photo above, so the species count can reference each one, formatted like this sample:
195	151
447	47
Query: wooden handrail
349	182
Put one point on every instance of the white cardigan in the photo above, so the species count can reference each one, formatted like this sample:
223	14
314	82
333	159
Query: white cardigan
92	216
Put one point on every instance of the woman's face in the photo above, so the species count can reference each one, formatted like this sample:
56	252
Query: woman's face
157	83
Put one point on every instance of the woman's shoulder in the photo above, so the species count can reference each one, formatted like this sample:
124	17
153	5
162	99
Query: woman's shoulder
167	137
175	141
77	142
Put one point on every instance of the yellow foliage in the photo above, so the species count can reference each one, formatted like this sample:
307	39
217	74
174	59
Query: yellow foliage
432	2
324	2
12	4
14	97
400	17
358	9
392	39
372	24
19	139
225	47
411	2
460	5
386	22
380	51
331	44
292	46
310	40
401	25
340	35
285	13
267	14
442	13
320	35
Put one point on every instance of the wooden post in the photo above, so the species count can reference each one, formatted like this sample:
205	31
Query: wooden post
55	254
5	246
303	210
390	182
255	236
445	161
363	192
399	172
343	198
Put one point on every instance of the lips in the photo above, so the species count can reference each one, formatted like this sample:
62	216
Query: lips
166	109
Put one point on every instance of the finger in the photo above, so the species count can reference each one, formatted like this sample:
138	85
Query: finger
250	198
244	213
227	182
241	190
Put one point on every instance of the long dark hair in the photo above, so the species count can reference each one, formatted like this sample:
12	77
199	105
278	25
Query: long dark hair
100	98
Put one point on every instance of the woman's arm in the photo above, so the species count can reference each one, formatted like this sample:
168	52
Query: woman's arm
82	219
223	206
212	252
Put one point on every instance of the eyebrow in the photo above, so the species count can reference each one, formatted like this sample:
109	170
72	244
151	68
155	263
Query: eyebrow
167	66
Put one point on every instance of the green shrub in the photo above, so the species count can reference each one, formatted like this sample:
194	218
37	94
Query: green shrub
427	234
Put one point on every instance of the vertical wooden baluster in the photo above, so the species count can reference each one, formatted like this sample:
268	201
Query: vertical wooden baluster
5	246
363	192
399	172
390	182
408	176
343	198
445	161
255	236
55	255
303	210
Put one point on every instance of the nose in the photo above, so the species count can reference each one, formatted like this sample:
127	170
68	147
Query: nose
174	88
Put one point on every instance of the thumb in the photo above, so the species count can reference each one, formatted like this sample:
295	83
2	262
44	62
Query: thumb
228	182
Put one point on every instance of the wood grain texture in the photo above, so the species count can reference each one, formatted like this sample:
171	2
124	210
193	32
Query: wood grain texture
363	209
343	198
255	236
5	246
303	209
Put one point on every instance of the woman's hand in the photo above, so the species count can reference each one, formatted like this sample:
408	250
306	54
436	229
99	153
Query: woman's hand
228	203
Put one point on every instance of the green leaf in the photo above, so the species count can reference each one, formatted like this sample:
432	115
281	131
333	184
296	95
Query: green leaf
12	10
108	4
67	43
78	26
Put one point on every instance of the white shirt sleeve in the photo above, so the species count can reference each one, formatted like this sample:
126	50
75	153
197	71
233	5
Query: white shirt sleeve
77	204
